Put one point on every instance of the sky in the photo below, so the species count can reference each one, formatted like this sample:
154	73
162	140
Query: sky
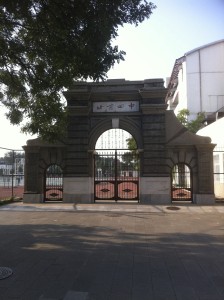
174	28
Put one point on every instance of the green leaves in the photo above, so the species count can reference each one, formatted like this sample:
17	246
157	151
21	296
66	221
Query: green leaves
47	44
193	125
131	143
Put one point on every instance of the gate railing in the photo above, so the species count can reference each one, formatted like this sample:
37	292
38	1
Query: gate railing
116	175
53	183
12	164
181	183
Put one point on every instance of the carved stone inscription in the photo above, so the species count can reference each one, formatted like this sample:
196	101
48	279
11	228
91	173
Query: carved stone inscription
116	106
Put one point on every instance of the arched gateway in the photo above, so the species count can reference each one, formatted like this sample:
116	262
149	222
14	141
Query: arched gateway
116	167
137	107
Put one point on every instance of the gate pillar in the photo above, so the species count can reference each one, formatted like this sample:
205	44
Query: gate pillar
32	184
78	186
205	194
155	178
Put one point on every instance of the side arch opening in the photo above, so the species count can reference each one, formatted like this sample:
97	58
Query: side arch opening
53	190
181	183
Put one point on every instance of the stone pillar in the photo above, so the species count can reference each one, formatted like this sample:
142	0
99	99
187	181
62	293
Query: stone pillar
77	178
33	185
155	178
205	193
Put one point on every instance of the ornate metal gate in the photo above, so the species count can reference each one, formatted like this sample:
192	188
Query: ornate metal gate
181	183
53	183
116	175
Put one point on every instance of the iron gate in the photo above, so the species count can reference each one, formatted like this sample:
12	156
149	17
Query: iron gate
181	183
53	183
116	175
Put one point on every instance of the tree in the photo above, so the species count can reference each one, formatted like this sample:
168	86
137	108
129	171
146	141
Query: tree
47	44
9	157
106	164
131	143
193	125
131	159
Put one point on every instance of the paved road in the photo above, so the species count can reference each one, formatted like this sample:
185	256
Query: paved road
110	252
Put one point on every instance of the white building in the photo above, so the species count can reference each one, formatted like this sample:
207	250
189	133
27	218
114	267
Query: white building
197	82
6	169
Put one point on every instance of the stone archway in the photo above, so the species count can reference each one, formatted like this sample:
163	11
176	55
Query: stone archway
121	122
139	108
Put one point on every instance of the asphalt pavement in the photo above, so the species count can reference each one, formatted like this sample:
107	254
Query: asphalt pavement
111	251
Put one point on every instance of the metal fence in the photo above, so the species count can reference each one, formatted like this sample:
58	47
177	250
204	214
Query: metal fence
12	164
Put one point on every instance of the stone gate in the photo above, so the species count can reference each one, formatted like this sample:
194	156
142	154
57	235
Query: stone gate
139	108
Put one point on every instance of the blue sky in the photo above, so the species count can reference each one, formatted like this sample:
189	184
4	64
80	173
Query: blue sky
174	28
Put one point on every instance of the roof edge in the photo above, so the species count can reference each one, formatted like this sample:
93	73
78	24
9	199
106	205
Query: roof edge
204	46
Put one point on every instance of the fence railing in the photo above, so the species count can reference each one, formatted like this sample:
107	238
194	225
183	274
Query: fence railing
12	163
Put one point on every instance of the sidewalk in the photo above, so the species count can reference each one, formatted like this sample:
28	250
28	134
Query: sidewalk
112	252
115	207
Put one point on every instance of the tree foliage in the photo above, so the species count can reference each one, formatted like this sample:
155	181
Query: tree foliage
131	158
47	44
106	165
193	125
131	143
10	156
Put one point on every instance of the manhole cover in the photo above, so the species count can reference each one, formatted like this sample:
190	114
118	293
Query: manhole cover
5	272
173	208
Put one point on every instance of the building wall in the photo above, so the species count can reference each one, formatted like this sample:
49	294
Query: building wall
201	81
205	78
193	84
6	169
182	90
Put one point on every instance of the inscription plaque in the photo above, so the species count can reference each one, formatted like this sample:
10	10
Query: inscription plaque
116	106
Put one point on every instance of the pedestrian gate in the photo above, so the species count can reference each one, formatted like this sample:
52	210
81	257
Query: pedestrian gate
53	183
181	180
116	175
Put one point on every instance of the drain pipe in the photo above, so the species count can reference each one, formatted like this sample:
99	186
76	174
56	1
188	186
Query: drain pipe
200	81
